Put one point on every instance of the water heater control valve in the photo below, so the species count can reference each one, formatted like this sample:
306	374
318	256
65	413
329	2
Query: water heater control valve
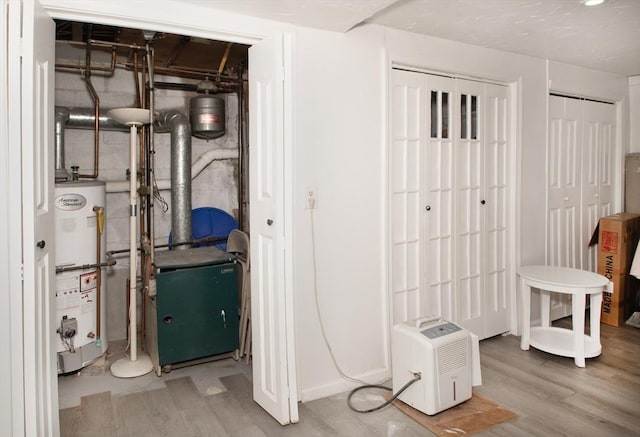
68	327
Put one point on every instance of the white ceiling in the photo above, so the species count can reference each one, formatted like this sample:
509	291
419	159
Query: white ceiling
605	37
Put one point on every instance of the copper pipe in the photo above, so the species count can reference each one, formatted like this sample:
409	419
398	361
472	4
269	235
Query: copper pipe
199	72
141	154
136	79
150	177
99	229
176	71
100	43
96	106
128	285
110	69
223	62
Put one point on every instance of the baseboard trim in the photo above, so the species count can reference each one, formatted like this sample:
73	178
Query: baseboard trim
340	385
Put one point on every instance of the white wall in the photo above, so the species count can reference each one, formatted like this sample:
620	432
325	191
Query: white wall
634	114
216	186
338	104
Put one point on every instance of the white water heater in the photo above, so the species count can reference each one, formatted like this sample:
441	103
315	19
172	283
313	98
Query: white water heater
446	357
80	302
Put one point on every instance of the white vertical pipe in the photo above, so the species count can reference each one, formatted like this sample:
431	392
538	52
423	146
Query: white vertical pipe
133	251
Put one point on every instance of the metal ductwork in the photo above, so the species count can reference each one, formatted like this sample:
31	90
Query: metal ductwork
178	125
172	121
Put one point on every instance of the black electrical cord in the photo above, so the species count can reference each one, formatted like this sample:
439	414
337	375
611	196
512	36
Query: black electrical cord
416	377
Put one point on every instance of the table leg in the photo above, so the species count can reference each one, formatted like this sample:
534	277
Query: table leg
545	308
594	317
525	291
577	318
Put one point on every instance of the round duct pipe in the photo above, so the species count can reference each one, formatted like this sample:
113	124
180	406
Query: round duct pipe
207	116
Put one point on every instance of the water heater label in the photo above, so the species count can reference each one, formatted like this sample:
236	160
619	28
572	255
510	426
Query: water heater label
70	202
208	118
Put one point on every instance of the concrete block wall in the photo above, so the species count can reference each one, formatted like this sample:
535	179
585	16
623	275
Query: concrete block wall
216	186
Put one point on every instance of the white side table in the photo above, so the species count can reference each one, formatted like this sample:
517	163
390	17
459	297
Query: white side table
560	341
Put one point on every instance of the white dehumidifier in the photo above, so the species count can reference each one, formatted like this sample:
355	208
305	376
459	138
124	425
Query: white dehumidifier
447	358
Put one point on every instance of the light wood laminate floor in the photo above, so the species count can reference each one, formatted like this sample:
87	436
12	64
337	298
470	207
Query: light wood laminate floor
551	396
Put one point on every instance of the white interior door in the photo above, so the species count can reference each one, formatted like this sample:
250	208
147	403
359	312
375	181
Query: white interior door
274	385
36	82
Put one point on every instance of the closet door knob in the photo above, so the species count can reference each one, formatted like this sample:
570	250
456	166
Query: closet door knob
427	208
269	222
483	201
41	244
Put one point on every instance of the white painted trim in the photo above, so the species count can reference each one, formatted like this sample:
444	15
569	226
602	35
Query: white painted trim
451	74
289	299
623	132
12	417
208	23
385	171
515	182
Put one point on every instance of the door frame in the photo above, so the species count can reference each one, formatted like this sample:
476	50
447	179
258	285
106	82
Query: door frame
515	117
111	16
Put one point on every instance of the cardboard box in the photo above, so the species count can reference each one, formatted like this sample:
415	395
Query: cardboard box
613	303
617	240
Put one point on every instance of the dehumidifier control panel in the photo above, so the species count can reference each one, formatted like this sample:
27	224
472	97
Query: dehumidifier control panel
440	330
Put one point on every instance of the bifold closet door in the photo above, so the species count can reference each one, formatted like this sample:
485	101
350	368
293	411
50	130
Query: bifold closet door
598	146
564	182
481	216
407	155
580	183
421	178
449	159
439	208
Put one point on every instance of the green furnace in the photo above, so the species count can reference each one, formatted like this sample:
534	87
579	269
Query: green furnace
193	314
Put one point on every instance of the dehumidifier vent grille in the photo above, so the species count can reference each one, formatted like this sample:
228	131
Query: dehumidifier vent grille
452	356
